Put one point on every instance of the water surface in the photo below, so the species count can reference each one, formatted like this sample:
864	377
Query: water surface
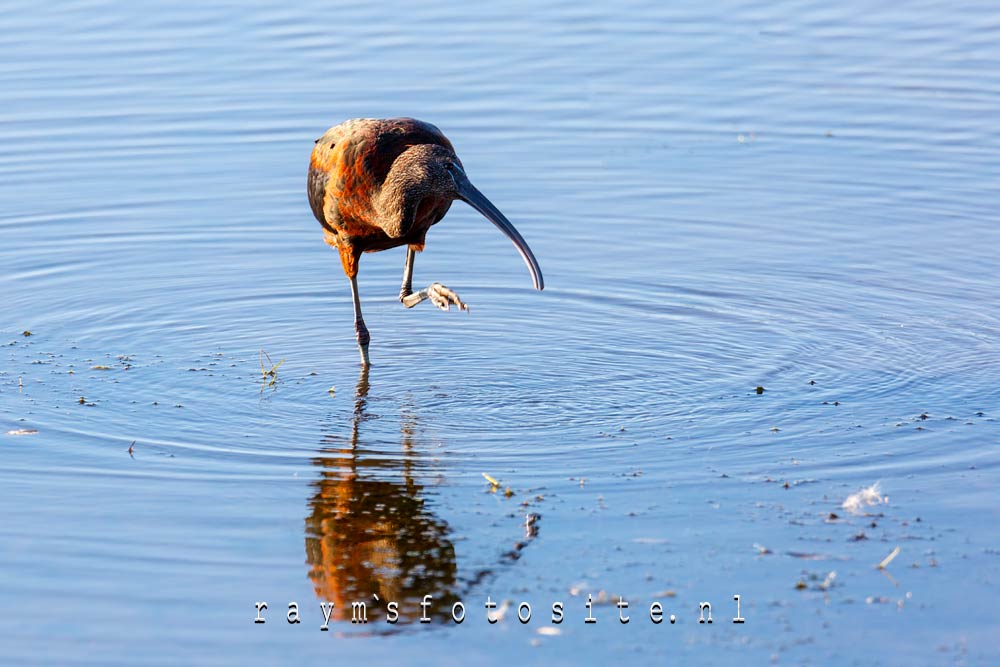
798	197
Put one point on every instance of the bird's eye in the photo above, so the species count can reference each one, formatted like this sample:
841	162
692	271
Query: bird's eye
452	172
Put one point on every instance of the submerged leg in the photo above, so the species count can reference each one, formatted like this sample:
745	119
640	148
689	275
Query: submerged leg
440	296
359	324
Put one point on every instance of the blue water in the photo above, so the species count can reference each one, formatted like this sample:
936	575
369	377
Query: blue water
797	196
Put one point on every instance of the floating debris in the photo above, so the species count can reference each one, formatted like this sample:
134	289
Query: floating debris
502	610
669	593
269	376
806	555
23	431
26	333
492	480
332	390
549	631
131	448
817	585
866	497
100	368
531	524
760	390
888	559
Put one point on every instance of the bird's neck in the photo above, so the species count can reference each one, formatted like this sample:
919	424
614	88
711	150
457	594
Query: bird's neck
398	202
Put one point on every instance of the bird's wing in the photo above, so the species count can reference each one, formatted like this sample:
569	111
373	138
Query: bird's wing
350	162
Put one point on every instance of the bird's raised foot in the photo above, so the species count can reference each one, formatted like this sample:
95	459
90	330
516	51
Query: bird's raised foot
439	295
443	298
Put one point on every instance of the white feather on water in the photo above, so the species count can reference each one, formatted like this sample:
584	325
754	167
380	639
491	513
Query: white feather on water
866	497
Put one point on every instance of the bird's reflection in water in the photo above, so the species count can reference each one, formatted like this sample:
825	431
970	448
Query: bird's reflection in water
370	533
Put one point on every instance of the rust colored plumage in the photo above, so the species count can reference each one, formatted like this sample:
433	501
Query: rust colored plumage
348	168
379	184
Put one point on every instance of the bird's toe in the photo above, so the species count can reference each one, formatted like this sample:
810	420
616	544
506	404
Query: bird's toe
443	298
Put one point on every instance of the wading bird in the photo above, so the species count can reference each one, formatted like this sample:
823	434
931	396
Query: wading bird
379	184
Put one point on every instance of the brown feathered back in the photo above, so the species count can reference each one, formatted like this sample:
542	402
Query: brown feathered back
350	162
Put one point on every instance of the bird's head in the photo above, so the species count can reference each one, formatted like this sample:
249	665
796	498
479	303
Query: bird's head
433	170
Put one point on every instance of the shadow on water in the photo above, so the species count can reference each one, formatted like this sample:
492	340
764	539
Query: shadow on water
371	536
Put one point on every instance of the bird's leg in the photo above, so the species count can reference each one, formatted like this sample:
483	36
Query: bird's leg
440	296
407	288
359	324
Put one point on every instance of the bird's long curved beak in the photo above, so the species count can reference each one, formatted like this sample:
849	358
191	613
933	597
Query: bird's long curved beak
468	193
